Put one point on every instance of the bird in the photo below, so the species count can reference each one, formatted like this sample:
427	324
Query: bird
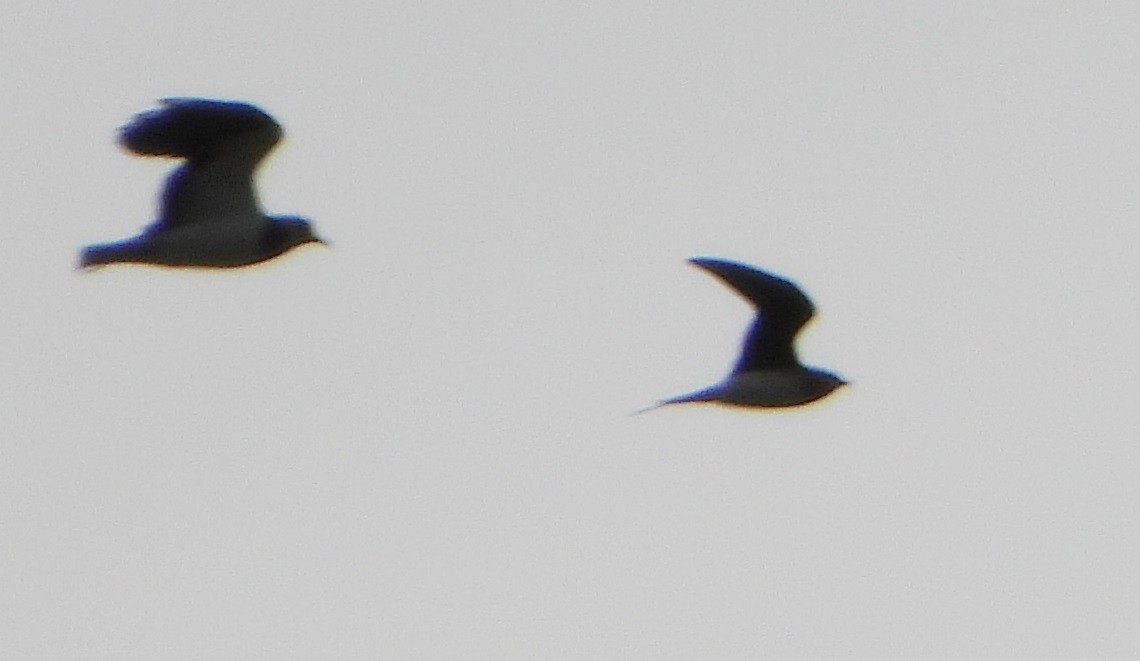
768	374
209	215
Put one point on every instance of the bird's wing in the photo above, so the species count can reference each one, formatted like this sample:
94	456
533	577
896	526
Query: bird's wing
222	141
782	310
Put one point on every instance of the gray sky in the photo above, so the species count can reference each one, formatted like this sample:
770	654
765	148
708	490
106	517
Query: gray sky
417	444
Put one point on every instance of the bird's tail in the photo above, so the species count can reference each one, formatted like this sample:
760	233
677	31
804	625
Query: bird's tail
711	394
107	253
647	409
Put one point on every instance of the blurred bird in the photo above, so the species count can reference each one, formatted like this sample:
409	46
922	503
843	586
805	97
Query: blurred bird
768	373
209	215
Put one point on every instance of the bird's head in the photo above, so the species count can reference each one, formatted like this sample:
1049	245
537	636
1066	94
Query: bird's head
288	232
828	381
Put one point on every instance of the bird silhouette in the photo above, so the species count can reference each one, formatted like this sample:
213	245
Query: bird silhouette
209	214
768	373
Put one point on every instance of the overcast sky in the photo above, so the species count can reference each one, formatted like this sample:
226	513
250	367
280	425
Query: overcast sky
417	443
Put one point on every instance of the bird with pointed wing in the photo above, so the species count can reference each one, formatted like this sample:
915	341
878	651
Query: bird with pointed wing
768	372
209	215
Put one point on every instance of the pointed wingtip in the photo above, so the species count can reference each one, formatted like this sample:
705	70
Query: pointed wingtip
722	267
712	263
762	288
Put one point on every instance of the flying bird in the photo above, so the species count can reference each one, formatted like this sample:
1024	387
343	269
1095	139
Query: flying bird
209	214
768	373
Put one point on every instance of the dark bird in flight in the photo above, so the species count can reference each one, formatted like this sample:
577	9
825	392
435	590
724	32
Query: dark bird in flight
768	373
209	214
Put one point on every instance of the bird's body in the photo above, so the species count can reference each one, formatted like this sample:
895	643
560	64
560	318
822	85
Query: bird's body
209	214
212	245
768	373
767	388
